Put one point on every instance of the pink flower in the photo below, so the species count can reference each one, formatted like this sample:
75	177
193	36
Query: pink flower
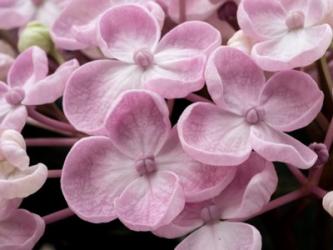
328	202
17	179
138	172
28	84
173	67
76	28
250	114
7	55
287	34
19	229
254	183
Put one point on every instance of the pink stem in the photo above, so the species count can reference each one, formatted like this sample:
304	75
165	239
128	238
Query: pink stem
298	174
57	216
56	173
171	104
319	192
50	142
50	122
196	98
182	10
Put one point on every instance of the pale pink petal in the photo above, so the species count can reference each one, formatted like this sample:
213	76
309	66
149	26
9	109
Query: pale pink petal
21	230
291	100
94	174
328	203
50	88
277	146
240	41
188	220
151	201
123	30
20	184
7	55
29	67
222	236
75	28
91	90
15	13
15	118
139	123
155	9
250	190
8	207
200	182
296	49
233	80
214	136
49	11
187	40
267	18
176	79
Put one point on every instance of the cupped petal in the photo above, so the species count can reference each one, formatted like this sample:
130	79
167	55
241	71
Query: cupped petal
91	90
155	9
188	39
138	123
199	181
94	174
250	190
214	136
20	184
277	146
240	41
14	118
125	29
50	88
8	207
290	100
233	80
15	13
29	67
150	202
75	28
49	11
328	203
296	49
21	230
266	18
223	235
176	79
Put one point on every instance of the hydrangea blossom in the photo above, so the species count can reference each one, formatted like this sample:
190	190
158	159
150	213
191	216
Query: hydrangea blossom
254	183
249	113
19	229
76	28
28	84
172	67
286	33
139	172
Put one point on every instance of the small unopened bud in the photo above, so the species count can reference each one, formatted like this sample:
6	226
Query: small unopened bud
321	150
328	203
35	34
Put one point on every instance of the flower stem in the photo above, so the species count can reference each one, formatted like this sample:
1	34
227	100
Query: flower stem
57	216
196	98
54	173
50	142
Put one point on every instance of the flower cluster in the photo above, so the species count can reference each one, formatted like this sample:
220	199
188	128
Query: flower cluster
119	67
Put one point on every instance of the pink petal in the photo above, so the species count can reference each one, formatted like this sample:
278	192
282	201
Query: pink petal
15	118
223	235
49	11
92	89
187	221
139	123
94	174
8	207
15	13
200	182
291	100
277	146
188	39
75	28
328	202
291	50
50	88
125	29
233	80
266	18
250	190
20	184
7	55
29	67
176	79
151	201
21	230
214	136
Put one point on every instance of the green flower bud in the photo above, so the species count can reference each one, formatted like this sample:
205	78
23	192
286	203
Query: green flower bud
35	34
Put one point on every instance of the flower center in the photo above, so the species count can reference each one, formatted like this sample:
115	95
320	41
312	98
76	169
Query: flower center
144	58
15	96
211	213
253	116
145	166
295	20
